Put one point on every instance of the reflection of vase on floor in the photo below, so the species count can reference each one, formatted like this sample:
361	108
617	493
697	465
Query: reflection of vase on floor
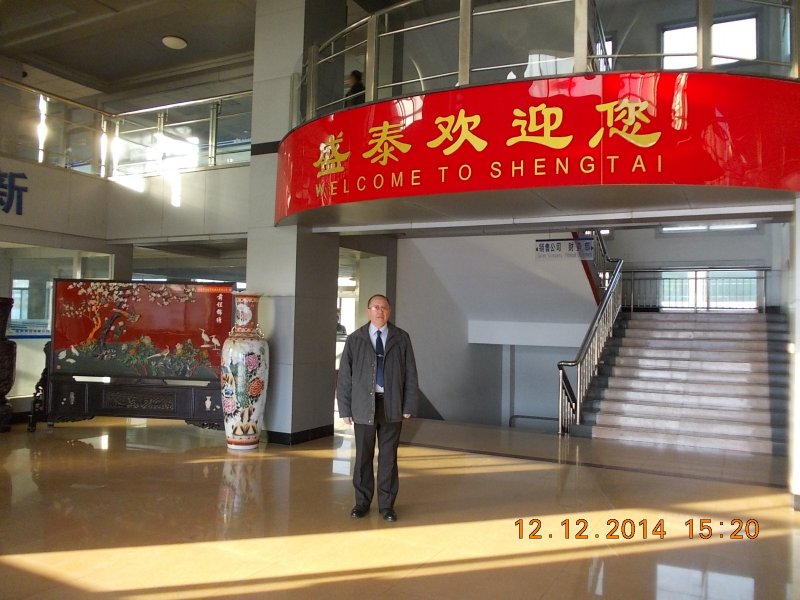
8	359
240	496
245	364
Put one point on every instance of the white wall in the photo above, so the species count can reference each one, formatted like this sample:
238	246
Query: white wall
463	298
213	202
461	380
536	380
371	280
767	246
57	201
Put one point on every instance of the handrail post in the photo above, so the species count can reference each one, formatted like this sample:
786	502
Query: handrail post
115	149
103	145
464	41
705	19
581	32
561	401
312	65
794	38
212	133
371	61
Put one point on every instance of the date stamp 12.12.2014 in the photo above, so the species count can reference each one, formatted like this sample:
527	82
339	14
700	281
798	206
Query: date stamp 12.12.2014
641	529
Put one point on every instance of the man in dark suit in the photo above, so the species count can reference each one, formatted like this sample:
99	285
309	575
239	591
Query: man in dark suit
377	389
356	92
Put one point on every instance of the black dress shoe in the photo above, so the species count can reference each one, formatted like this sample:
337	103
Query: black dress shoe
388	514
358	512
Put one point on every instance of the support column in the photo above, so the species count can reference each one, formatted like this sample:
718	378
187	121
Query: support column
793	273
293	269
121	267
508	391
5	274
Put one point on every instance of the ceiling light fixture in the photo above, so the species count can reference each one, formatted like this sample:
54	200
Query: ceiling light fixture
174	42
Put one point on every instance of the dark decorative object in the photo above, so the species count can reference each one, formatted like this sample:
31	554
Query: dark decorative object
150	401
159	345
8	364
39	404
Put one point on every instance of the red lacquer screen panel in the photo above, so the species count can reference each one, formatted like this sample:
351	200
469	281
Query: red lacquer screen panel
155	330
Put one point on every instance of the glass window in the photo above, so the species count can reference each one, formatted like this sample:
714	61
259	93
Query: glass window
19	292
731	41
714	290
516	39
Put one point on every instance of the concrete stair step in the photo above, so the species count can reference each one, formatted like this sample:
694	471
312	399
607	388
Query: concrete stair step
713	317
696	375
687	411
691	388
700	345
659	438
672	325
704	335
709	427
780	403
700	380
778	359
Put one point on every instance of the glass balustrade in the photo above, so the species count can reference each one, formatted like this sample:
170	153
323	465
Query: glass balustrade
413	47
58	132
420	46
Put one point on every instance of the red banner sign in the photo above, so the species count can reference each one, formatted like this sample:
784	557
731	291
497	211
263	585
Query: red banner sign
611	129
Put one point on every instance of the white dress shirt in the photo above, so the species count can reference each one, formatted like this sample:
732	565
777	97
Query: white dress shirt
373	335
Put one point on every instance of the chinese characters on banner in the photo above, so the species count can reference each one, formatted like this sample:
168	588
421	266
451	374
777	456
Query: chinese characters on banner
538	125
664	128
582	248
12	191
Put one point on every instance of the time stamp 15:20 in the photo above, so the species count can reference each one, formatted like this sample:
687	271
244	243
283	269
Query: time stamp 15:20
629	529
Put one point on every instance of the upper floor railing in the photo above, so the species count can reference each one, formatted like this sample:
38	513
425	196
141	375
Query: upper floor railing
45	128
421	46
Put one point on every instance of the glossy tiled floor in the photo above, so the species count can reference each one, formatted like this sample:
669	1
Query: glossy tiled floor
160	510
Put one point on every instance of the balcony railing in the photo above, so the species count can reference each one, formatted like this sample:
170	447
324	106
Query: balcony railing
421	46
59	132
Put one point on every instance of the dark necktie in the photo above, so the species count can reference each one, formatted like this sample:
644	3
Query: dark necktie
379	352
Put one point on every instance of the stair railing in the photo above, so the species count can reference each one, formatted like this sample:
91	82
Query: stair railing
600	330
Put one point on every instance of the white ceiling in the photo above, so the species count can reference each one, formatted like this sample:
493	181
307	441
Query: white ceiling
114	46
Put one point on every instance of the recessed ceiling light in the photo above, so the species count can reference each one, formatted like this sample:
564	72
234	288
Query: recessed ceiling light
733	226
174	42
681	228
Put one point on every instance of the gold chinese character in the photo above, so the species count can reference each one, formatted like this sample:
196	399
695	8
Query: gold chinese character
385	140
461	124
330	159
543	120
630	115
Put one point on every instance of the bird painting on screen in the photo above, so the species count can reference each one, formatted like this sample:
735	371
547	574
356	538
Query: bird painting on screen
163	354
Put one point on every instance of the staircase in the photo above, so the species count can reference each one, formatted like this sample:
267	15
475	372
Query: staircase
702	380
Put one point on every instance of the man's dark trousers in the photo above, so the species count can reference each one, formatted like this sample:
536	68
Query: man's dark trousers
363	476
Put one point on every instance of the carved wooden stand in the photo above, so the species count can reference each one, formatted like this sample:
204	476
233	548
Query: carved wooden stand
70	400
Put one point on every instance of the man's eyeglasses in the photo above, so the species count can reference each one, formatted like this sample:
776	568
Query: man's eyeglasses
383	308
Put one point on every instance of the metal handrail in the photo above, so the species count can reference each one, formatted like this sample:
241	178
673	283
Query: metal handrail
33	90
646	289
587	359
199	102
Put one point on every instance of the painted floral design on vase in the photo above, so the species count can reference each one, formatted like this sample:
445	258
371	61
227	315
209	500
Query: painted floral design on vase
245	366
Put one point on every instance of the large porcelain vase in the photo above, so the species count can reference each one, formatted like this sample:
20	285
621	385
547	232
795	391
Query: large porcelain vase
245	364
8	363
